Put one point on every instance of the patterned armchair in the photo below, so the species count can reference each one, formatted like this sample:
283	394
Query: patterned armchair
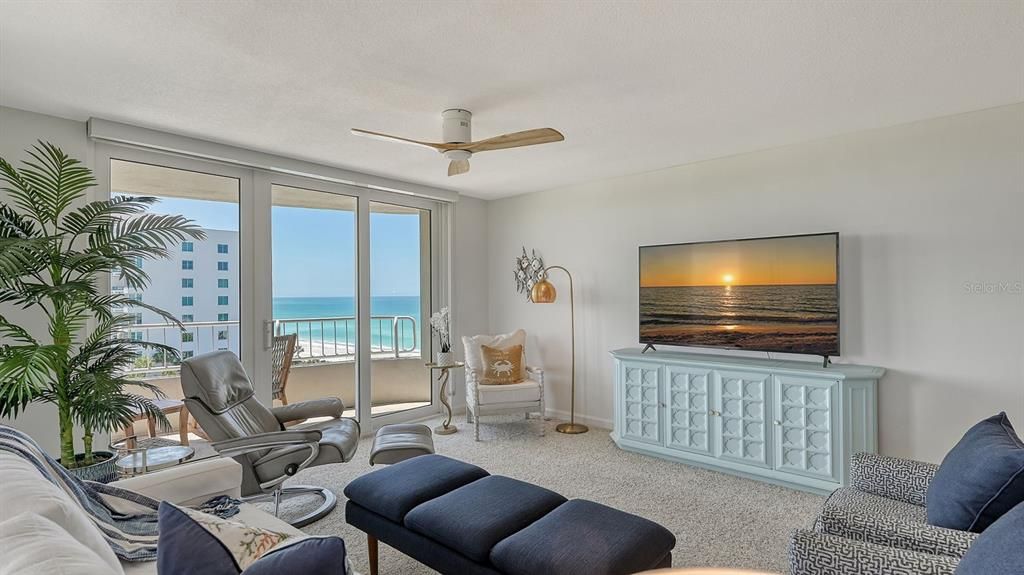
879	525
813	553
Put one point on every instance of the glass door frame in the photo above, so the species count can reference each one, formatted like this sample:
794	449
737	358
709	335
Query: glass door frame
429	283
104	153
255	273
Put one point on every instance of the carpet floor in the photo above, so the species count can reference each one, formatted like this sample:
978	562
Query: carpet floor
718	519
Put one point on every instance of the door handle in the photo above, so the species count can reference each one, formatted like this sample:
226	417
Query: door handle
268	334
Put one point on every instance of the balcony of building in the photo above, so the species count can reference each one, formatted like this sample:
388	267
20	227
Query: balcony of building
323	364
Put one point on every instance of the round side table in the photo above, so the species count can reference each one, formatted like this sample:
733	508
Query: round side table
140	461
447	427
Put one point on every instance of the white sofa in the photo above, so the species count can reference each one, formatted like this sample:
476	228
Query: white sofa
42	531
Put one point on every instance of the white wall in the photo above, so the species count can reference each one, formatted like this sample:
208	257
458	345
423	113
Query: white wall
470	295
20	129
923	210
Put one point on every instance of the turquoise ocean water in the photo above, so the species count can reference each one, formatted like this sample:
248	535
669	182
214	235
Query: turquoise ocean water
334	335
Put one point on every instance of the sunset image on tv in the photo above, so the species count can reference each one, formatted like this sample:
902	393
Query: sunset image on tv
771	294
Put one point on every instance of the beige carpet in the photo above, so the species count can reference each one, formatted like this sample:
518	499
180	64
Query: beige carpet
718	519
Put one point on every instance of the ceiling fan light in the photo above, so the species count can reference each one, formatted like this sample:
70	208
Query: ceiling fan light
456	155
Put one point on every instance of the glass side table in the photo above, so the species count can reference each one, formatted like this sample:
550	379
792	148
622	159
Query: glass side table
148	456
446	427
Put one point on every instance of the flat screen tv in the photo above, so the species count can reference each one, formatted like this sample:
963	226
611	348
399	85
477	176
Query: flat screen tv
776	294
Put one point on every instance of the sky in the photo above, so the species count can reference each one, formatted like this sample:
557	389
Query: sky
774	261
314	251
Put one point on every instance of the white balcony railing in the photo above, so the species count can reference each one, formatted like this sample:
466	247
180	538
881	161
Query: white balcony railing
319	339
335	337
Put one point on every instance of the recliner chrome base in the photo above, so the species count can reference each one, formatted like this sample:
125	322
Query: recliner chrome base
330	502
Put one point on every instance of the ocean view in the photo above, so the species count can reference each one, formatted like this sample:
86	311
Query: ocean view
800	318
338	337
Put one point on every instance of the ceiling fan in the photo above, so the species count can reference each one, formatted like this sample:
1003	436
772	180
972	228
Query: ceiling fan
458	145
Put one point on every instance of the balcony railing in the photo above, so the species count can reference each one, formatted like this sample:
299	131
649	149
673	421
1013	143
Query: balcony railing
319	339
335	337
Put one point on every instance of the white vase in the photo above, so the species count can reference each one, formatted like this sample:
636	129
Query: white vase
444	358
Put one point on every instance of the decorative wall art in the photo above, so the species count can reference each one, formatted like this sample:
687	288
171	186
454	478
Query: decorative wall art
529	270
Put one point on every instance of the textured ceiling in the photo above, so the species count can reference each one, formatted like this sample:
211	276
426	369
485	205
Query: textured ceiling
633	86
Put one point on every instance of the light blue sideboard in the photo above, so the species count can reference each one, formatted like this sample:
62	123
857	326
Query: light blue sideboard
786	422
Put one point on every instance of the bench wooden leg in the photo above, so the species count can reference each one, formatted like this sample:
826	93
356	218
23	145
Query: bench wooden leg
371	550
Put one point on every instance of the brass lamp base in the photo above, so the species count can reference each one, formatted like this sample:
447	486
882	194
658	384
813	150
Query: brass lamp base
571	428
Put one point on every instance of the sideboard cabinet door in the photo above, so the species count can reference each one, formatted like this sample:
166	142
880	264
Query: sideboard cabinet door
806	426
688	405
742	416
641	401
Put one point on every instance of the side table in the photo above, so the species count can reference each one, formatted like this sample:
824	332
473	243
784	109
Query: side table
447	427
139	461
167	406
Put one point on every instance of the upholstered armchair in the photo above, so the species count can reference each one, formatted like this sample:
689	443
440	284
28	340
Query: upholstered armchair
526	396
220	396
813	553
879	524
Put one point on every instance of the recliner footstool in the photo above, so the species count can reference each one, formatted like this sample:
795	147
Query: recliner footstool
458	519
400	441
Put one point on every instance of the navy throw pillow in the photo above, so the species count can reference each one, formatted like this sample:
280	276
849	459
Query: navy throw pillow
193	542
980	479
999	550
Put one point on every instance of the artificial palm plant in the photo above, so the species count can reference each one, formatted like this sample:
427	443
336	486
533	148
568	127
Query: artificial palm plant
54	252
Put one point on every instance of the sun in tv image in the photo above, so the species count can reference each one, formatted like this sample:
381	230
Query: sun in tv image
772	294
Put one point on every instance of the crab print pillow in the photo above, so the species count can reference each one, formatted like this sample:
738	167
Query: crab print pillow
502	365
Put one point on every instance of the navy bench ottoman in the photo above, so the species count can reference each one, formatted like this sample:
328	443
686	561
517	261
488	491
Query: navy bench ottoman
458	519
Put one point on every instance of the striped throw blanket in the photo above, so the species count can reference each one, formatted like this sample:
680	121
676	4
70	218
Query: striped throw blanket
128	520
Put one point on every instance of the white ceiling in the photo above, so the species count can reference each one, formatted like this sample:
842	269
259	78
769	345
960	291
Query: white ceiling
633	86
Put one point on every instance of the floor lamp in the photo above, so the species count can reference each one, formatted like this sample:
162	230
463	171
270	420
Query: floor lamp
544	292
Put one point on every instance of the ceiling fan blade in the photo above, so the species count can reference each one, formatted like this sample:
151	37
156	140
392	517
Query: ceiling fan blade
457	167
390	138
515	140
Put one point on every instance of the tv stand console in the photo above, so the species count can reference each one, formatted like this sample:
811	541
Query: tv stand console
787	422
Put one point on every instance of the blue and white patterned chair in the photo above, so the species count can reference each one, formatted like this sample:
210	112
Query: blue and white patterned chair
879	525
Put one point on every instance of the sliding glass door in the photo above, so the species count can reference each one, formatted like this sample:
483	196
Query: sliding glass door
399	308
314	295
322	289
200	282
350	292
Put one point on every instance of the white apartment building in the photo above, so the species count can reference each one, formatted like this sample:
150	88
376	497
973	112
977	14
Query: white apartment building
198	284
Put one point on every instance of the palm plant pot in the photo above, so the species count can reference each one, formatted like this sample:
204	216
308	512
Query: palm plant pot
444	358
104	470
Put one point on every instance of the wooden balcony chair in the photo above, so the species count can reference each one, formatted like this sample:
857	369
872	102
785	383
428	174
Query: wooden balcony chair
281	363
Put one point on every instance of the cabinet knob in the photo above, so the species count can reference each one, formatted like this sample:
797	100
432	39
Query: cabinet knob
777	422
663	404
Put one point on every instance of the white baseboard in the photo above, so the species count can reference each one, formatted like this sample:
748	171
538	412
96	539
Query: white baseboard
556	414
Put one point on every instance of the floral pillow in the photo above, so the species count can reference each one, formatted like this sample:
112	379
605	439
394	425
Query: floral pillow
191	542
